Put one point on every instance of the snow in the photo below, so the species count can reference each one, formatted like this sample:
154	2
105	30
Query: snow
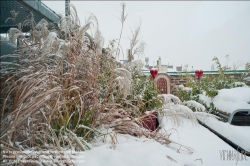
197	106
234	94
133	151
242	84
229	100
230	106
237	134
169	99
181	87
207	100
187	89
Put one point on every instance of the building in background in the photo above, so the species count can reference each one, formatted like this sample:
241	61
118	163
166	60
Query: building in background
212	67
161	67
178	68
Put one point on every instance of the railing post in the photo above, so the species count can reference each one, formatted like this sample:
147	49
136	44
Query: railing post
67	7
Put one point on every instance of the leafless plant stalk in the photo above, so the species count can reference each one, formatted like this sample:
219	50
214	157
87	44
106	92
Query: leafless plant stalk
122	19
137	47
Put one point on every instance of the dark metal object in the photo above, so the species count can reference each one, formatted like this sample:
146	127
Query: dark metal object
67	7
199	85
240	117
23	8
6	47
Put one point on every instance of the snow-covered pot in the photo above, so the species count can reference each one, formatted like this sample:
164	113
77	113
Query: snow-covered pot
149	121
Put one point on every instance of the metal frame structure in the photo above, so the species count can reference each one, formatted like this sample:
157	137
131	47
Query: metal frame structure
229	117
22	8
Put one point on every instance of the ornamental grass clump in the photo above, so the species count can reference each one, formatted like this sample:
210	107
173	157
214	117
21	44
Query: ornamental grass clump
51	87
63	86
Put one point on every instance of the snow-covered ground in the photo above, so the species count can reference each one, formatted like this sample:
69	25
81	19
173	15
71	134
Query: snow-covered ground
229	100
239	135
208	150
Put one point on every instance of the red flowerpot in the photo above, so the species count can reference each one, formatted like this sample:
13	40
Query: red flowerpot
149	121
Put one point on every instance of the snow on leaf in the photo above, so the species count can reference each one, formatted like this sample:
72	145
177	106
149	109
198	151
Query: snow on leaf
197	106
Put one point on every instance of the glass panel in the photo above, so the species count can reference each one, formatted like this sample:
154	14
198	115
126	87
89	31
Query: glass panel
241	119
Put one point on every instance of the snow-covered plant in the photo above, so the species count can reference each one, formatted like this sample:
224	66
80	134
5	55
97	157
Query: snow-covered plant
186	94
14	33
13	17
124	80
65	85
174	109
210	84
53	90
247	67
143	91
195	105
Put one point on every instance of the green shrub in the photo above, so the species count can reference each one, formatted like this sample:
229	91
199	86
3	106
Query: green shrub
144	92
209	85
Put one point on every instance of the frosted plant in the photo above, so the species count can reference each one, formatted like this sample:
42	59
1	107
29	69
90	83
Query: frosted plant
30	20
62	85
169	99
136	65
41	29
176	112
14	33
122	19
173	110
53	89
13	17
124	80
177	88
137	47
49	40
99	41
197	106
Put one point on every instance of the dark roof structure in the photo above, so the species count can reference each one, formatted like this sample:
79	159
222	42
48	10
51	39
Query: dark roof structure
16	11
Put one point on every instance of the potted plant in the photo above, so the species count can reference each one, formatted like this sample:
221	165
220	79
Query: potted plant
147	102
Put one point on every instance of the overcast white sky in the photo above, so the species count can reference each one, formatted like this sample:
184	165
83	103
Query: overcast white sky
181	32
